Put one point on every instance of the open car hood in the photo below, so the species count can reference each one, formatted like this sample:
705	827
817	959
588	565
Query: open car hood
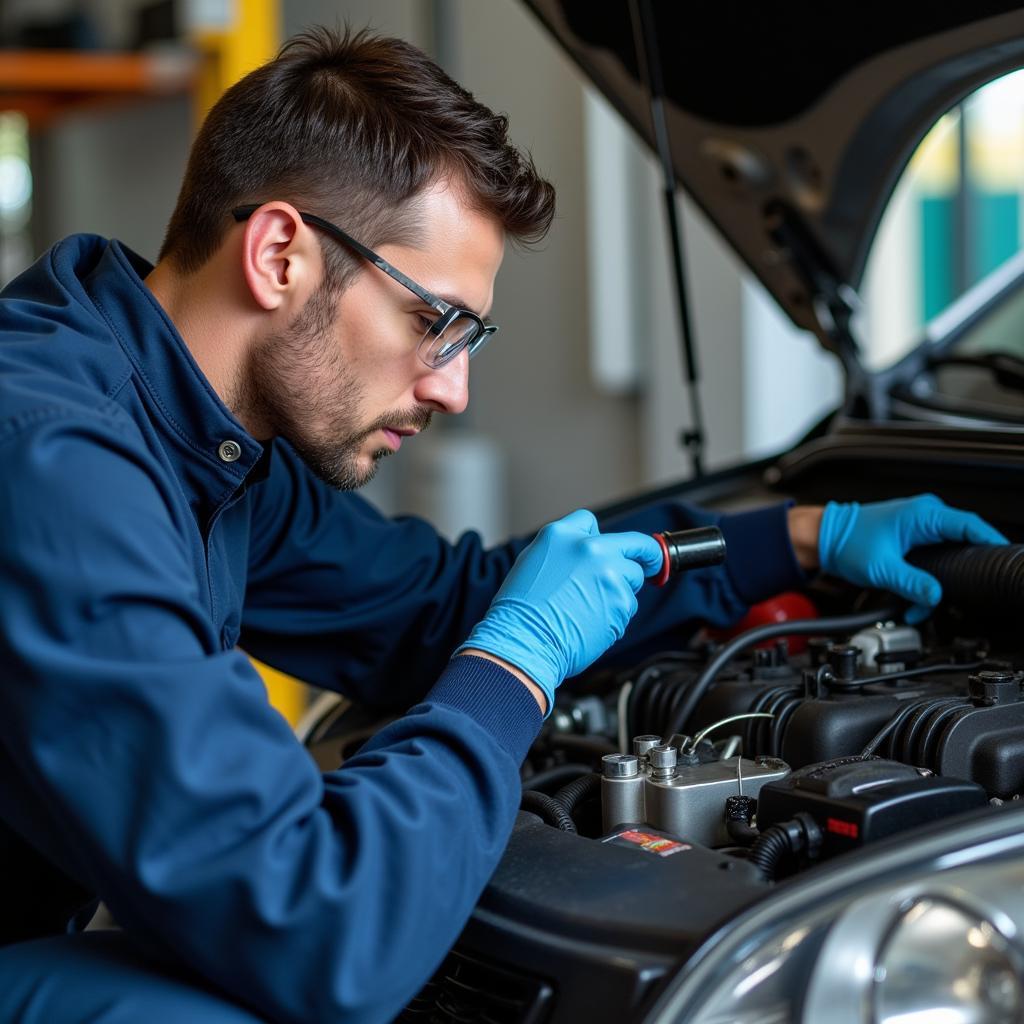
789	125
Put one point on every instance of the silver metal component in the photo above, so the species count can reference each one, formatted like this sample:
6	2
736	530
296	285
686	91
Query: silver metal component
229	451
642	745
690	804
885	638
622	798
620	766
663	759
739	775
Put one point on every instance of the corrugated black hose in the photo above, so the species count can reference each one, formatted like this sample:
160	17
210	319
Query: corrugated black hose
579	790
986	580
548	809
798	838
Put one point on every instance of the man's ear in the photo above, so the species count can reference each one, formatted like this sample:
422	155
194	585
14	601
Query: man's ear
281	259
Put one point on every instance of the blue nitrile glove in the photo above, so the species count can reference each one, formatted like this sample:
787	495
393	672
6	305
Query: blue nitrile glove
865	544
567	599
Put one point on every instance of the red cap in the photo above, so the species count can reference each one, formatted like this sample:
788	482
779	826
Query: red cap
666	566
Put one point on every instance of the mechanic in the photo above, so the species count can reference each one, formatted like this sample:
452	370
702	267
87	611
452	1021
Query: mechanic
179	446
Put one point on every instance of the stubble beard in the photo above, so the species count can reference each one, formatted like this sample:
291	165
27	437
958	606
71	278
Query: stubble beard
298	378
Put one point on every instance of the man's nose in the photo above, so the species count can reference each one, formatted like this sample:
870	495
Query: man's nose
446	389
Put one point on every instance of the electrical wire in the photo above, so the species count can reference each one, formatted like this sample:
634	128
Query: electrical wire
796	627
725	721
910	673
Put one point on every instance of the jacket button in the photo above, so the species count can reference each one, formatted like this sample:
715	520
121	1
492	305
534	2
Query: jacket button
229	451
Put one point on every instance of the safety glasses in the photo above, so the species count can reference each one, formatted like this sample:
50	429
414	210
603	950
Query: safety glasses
454	329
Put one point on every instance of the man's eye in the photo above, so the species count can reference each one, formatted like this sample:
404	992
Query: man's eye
423	322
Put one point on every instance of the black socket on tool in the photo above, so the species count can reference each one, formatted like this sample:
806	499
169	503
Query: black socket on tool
689	549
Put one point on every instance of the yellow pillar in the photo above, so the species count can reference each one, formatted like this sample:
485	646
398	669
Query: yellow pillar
232	37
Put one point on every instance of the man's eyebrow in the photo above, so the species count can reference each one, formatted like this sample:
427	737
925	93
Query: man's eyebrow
462	304
455	301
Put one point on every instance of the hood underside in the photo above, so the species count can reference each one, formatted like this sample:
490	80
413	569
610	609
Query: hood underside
790	124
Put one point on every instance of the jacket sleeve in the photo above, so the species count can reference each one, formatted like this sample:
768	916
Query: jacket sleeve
348	599
345	598
145	762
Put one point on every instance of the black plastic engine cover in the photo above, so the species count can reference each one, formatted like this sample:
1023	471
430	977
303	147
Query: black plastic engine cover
856	801
602	923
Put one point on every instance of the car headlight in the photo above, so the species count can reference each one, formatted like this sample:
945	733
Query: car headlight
928	932
943	964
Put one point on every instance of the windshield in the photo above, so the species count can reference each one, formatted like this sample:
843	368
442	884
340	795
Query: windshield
954	218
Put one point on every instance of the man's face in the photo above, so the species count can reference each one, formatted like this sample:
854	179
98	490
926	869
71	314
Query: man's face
344	382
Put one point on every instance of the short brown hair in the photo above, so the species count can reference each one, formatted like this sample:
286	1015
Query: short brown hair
351	126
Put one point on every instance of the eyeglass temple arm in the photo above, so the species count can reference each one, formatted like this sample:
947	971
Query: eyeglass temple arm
242	213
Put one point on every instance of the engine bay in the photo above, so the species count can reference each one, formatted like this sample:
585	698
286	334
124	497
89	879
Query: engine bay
664	798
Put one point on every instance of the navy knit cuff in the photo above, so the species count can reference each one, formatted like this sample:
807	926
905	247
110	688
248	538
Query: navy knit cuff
760	558
494	698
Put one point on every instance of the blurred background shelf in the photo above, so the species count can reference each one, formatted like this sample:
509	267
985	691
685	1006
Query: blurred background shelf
43	84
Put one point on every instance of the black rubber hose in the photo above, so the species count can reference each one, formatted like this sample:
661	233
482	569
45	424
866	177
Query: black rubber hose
572	795
853	685
797	627
648	671
557	776
768	849
548	809
800	836
663	697
986	580
742	833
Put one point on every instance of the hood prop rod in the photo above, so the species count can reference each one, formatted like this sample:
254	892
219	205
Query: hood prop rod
642	17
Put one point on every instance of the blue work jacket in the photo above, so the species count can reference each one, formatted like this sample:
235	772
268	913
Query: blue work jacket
144	539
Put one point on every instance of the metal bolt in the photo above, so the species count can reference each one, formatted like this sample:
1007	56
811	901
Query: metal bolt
642	745
620	766
663	760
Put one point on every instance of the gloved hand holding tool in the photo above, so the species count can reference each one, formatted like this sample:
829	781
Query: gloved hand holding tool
567	599
571	594
865	544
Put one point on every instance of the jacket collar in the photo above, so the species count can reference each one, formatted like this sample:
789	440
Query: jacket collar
220	454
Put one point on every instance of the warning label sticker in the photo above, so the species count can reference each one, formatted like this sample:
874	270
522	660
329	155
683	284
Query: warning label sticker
649	841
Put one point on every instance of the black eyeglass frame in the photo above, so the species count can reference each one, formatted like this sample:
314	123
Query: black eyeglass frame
448	313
